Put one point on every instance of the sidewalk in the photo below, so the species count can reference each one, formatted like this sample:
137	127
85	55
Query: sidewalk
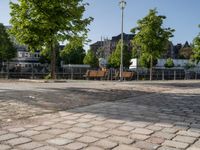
159	115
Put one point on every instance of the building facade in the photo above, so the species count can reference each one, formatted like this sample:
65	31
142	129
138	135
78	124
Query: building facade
105	47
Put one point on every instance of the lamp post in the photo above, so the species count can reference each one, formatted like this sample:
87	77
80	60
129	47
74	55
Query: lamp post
122	4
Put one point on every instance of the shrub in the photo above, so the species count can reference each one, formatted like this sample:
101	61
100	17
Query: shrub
169	63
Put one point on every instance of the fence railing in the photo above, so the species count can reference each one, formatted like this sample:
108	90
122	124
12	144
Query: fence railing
139	74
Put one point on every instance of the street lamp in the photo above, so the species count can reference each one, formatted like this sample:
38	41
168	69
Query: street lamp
122	4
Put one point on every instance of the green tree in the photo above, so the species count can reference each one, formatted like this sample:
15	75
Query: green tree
145	61
115	57
41	24
7	49
169	63
196	49
151	37
72	54
91	59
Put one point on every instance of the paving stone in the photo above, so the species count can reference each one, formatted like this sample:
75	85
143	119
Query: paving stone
30	146
46	148
18	141
170	130
59	141
118	133
54	131
70	122
97	134
93	148
193	148
3	132
185	139
139	124
165	125
122	140
155	140
197	143
30	125
78	130
126	128
83	125
82	120
175	144
41	128
126	147
89	116
146	145
71	135
139	136
16	129
95	122
167	148
111	125
154	128
7	137
164	135
4	147
189	133
142	131
99	128
76	146
60	126
46	123
42	137
29	133
115	121
87	139
106	144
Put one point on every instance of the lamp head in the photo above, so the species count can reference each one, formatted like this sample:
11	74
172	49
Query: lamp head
122	4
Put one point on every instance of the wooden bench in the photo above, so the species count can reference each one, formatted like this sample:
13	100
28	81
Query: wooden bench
126	75
95	74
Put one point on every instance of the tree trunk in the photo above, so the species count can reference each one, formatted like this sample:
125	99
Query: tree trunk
7	69
53	61
151	67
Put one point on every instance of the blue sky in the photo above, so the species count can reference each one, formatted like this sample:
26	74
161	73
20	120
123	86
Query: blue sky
182	15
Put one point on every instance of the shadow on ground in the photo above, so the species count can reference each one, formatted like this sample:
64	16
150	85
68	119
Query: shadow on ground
131	105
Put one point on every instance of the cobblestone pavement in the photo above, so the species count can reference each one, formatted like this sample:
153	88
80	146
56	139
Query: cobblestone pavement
100	115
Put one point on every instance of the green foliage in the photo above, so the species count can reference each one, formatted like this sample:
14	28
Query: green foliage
73	54
91	59
151	37
145	61
47	77
169	63
40	24
189	65
196	49
7	49
115	58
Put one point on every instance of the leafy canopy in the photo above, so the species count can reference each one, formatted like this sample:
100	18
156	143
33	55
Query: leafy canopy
7	49
196	49
169	63
39	22
72	54
115	57
151	38
91	59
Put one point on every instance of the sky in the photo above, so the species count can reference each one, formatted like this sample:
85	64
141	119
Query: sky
182	15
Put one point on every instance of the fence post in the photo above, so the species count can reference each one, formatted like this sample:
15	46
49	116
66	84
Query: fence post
174	74
163	75
72	73
138	75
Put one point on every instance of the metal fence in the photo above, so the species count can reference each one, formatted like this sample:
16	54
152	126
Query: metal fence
139	74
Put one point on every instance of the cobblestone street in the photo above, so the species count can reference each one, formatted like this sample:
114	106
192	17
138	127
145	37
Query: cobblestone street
97	115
